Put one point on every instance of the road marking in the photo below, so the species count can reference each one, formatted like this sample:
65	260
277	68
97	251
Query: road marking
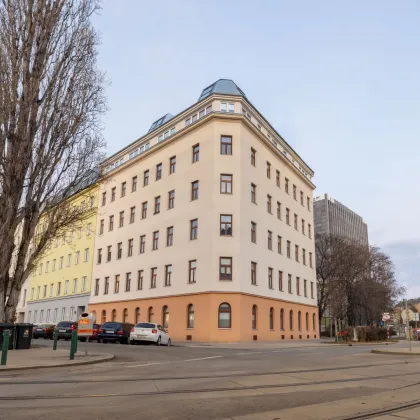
201	358
147	364
254	352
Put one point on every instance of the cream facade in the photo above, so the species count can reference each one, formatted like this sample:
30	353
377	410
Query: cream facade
225	250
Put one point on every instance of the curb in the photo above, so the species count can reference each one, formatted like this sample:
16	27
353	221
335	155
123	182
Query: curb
396	353
104	358
356	344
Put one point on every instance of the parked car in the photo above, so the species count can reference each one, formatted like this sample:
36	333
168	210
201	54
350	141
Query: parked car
150	332
65	329
94	336
115	331
43	330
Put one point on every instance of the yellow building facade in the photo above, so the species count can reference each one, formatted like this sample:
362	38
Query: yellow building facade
60	285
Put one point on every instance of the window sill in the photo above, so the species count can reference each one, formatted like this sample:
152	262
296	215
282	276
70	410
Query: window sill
224	328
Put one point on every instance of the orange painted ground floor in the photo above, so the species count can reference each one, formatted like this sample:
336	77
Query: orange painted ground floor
217	317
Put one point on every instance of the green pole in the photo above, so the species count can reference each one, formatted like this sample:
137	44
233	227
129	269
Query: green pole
5	349
73	346
55	339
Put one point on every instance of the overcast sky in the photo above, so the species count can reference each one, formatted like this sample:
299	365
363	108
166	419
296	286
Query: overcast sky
340	81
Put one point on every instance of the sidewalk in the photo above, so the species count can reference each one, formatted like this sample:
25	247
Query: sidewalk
45	357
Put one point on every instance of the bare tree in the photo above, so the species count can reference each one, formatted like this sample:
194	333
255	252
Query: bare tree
51	103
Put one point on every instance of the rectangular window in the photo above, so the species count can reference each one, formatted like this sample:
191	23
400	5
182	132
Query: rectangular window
303	256
301	198
168	274
42	265
172	165
270	240
289	283
226	145
157	204
268	203
44	291
119	250
66	287
146	177
86	255
296	221
101	227
134	184
279	244
153	275
297	253
310	259
196	153
171	199
103	198
47	265
281	281
61	262
109	253
142	244
312	289
226	183
253	193
155	240
278	178
225	268
144	210
68	262
99	258
113	190
106	286
286	185
303	226
193	229
130	248
121	223
123	188
74	285
225	225
309	231
253	156
254	273
278	210
117	284
287	216
268	169
298	286
140	280
132	214
194	190
308	203
54	264
58	288
253	232
127	282
288	249
170	236
111	223
270	278
96	287
84	284
77	257
51	289
305	288
158	171
192	267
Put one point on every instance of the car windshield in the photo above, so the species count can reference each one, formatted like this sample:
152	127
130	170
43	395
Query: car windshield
64	324
145	325
111	325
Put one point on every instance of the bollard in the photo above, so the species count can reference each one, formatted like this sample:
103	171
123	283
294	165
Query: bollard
73	346
55	339
5	349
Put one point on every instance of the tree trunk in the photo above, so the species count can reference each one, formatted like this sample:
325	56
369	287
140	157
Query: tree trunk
12	302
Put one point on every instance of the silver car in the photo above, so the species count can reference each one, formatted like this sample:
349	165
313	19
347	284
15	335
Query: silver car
149	332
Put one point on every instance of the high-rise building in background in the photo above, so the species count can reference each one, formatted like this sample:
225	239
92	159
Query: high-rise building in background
205	226
334	218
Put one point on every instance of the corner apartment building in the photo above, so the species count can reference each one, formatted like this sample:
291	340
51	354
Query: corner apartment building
205	226
60	285
334	218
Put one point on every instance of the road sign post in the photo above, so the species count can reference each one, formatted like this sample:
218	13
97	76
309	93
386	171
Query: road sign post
5	348
73	345
55	339
85	328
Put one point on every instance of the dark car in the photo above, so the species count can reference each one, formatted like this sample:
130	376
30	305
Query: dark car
43	331
65	329
94	336
115	331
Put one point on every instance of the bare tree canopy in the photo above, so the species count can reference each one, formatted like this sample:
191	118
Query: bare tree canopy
51	104
355	282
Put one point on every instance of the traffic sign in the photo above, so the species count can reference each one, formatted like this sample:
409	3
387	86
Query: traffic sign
85	325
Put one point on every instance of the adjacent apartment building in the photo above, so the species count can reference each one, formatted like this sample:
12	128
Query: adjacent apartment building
60	285
334	218
205	226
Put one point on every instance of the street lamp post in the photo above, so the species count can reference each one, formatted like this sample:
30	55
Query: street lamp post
408	325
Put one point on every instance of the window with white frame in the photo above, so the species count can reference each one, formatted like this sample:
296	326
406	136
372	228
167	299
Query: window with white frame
83	284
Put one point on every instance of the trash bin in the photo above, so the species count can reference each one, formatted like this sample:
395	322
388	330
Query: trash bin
23	333
11	328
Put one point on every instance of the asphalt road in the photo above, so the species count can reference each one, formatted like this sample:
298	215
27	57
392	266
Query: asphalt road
189	382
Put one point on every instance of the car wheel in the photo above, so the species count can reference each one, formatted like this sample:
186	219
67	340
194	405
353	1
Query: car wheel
104	341
158	342
51	337
169	343
45	337
67	339
98	340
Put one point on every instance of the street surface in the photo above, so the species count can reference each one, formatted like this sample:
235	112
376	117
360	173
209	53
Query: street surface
202	382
